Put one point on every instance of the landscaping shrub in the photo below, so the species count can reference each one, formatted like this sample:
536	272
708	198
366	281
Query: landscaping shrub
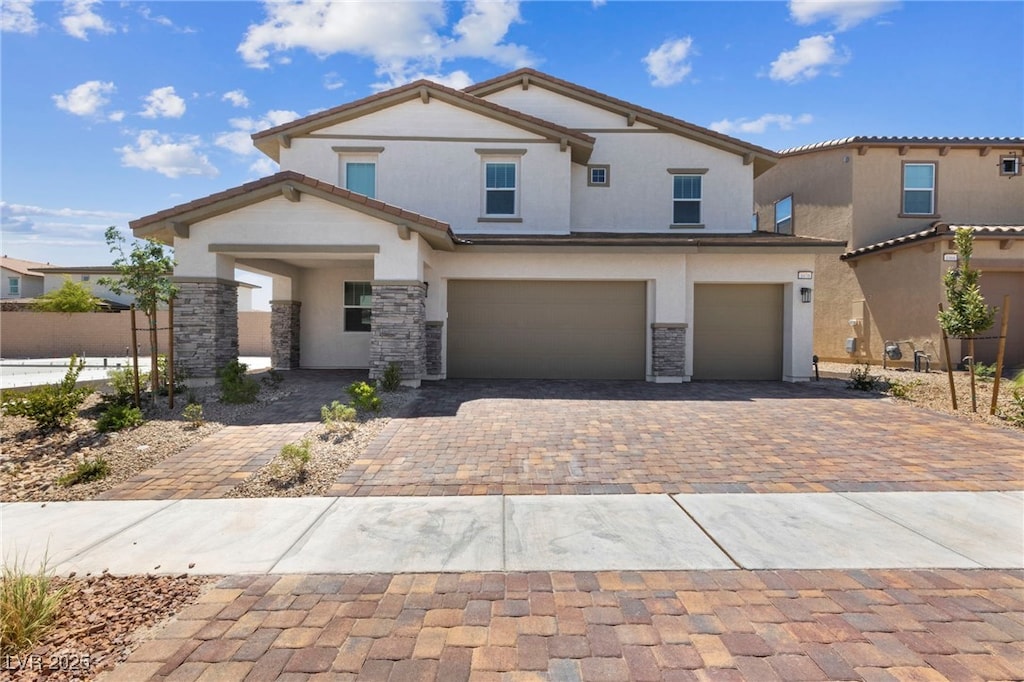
237	387
53	406
392	378
273	378
364	396
29	605
336	414
984	372
118	417
193	414
87	471
901	389
298	456
861	379
122	383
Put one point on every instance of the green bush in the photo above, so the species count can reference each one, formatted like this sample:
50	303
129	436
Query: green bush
364	397
237	387
297	456
29	605
392	378
193	414
903	389
118	417
87	471
273	378
1015	415
336	414
122	383
53	406
984	372
861	379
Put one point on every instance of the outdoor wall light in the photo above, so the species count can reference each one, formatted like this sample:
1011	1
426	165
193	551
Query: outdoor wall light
805	294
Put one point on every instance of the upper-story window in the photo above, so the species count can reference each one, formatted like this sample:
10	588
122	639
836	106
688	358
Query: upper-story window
919	188
1009	165
358	169
598	176
784	215
14	285
500	188
687	193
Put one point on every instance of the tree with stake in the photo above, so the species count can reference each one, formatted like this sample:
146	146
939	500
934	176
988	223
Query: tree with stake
967	315
144	272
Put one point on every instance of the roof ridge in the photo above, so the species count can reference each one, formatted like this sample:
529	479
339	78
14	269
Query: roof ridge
910	140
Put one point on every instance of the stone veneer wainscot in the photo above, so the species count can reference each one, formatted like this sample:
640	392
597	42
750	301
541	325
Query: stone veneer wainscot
398	329
668	349
205	325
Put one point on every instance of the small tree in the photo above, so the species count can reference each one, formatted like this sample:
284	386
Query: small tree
967	315
143	272
72	297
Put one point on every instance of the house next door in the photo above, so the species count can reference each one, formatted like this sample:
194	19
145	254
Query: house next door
512	329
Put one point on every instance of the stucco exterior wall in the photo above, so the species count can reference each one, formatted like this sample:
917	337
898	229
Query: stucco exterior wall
324	343
557	108
29	286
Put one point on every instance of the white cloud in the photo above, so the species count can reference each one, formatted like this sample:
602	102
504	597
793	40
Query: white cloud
264	167
237	98
456	79
159	152
332	81
79	18
760	125
403	39
807	59
667	63
88	99
239	140
24	224
844	14
116	116
163	103
27	210
16	17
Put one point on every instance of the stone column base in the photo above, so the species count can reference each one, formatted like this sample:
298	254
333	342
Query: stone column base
398	329
284	334
205	326
434	362
668	351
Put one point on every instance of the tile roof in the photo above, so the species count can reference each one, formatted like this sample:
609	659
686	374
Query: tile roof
22	267
910	141
261	189
741	239
937	230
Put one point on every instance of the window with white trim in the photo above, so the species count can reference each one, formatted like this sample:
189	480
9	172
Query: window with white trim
14	285
1009	165
357	169
687	191
598	175
784	215
358	304
501	188
919	188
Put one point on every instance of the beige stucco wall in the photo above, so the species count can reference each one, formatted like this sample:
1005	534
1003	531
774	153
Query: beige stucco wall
30	286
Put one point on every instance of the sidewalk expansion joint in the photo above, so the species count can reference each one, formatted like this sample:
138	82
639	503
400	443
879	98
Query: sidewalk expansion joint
709	536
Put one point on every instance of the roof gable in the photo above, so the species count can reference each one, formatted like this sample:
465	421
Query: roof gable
22	267
270	141
761	158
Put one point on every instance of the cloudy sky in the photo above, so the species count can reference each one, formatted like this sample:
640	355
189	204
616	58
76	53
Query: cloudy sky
114	110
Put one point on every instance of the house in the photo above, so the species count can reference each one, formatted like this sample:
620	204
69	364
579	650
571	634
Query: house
897	202
523	227
20	279
55	276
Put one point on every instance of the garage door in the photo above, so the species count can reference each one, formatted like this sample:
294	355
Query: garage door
737	331
546	330
995	285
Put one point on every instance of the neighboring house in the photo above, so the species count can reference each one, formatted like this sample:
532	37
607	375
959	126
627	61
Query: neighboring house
20	279
54	277
896	202
523	227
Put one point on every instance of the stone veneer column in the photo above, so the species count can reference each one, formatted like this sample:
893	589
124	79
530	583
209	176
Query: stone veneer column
434	365
205	325
284	334
398	329
668	349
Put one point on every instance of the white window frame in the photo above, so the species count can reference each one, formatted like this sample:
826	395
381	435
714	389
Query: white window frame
347	155
604	168
14	286
346	307
932	190
789	218
1009	165
516	190
699	200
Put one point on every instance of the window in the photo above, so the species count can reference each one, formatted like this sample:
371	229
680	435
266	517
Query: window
500	188
85	278
784	215
14	285
598	176
358	304
919	188
361	177
686	196
1009	165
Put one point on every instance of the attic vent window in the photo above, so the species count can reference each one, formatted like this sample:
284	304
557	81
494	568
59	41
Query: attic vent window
1009	165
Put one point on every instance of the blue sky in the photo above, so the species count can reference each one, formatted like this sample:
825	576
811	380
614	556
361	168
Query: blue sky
114	110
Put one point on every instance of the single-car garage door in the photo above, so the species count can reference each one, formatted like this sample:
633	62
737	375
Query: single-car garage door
511	329
737	331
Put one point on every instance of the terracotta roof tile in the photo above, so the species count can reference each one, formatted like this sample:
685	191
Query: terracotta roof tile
911	141
937	229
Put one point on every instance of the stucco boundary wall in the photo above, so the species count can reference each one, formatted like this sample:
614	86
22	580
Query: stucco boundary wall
57	335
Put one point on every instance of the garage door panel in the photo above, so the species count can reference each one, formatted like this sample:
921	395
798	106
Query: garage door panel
546	329
995	285
737	331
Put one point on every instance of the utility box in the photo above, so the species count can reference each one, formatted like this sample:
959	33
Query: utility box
851	345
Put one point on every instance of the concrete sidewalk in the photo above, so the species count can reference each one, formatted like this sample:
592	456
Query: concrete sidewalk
521	533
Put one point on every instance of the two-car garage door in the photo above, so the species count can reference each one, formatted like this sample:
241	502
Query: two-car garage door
515	329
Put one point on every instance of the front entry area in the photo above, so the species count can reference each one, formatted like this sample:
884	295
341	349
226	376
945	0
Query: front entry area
516	329
737	331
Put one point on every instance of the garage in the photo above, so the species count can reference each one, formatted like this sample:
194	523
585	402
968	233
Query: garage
995	285
737	331
514	329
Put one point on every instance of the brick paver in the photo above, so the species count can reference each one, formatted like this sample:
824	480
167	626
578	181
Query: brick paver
218	463
631	626
569	437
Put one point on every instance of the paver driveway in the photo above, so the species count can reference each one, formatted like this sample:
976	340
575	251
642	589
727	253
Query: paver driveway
566	437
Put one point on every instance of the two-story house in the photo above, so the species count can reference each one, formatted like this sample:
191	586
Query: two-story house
897	201
19	278
522	227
